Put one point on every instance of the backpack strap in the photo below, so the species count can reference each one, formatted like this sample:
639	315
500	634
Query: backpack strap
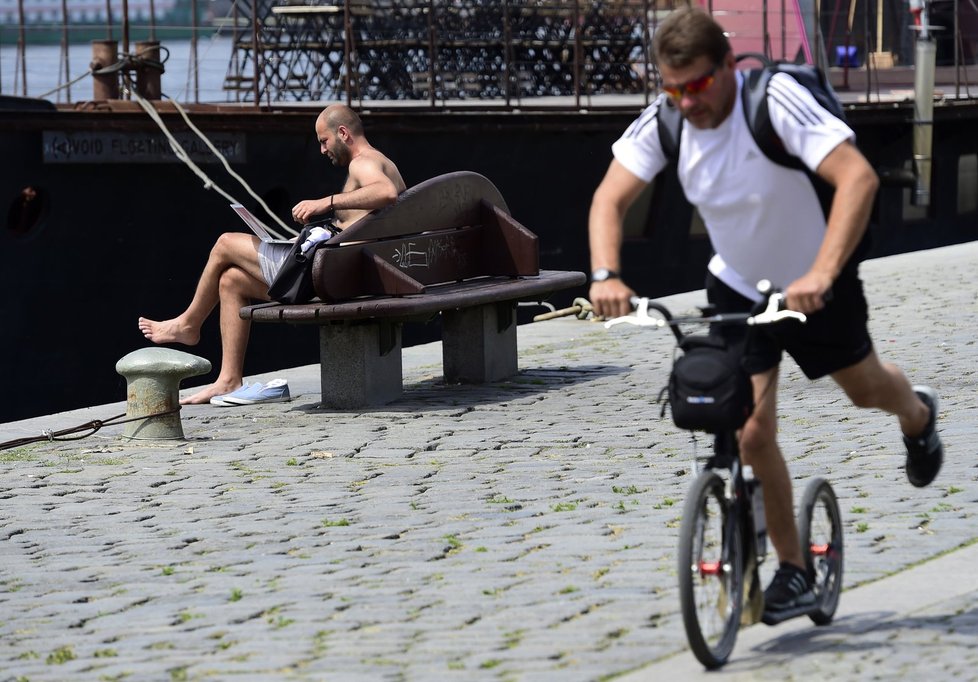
670	125
754	100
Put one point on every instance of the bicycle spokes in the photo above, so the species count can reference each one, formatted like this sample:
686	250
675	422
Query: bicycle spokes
820	528
710	581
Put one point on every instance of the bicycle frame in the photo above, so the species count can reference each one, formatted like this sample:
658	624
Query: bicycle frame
724	569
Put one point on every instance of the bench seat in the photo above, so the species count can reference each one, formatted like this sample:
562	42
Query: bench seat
439	298
448	247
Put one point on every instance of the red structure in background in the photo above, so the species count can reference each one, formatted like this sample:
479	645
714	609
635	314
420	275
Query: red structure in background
771	27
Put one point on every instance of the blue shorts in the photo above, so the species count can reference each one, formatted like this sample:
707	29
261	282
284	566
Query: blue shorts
835	337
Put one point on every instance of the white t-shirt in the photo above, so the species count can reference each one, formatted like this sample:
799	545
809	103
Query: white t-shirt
764	220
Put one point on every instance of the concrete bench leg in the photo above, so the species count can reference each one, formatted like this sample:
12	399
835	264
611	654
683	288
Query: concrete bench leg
479	343
360	363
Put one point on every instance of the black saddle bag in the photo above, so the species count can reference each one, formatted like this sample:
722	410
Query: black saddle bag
293	282
709	389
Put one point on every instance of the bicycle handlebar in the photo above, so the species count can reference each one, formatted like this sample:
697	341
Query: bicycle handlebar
774	311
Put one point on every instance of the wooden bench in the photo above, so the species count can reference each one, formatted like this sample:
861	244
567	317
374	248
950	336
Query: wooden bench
448	246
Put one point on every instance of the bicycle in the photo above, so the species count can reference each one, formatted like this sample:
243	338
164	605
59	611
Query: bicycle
722	535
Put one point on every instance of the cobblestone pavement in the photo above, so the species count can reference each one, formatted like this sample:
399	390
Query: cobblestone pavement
524	530
918	624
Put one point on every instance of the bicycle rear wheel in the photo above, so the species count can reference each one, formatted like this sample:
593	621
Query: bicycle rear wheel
710	570
820	529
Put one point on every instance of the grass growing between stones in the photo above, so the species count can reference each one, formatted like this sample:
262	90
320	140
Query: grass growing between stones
24	454
61	655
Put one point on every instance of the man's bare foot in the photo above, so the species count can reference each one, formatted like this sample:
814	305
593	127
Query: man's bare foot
204	396
169	331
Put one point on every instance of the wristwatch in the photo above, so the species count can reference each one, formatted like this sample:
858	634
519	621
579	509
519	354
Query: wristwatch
603	274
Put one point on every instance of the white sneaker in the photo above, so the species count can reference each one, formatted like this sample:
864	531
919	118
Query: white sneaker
222	400
275	391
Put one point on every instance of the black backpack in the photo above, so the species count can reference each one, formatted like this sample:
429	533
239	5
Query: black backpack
754	97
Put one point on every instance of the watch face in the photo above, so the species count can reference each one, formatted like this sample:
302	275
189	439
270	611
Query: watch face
602	274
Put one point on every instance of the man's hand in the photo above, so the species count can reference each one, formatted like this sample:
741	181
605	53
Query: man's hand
610	298
807	293
305	210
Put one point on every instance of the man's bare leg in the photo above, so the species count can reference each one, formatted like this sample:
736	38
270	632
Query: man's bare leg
872	383
236	289
759	448
232	249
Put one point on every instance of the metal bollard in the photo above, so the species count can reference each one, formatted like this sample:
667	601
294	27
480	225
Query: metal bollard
149	72
153	377
105	86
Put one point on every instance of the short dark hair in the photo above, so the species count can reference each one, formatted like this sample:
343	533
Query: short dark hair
687	34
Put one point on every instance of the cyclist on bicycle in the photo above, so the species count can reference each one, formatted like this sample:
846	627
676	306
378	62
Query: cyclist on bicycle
765	221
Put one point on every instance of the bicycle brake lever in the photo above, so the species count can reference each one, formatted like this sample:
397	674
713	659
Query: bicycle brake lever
636	321
775	313
641	317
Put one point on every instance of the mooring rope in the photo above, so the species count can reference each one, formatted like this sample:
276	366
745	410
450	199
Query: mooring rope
182	154
581	309
129	62
91	426
227	167
66	85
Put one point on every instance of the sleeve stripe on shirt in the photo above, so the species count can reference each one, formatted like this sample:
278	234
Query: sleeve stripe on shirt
794	105
639	124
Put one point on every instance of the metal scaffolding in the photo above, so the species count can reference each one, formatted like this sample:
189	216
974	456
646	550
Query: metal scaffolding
437	50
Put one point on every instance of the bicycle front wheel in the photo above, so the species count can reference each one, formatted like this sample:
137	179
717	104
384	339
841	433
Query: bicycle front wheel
710	570
820	530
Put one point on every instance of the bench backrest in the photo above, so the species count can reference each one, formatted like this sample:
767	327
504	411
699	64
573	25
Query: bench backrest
449	228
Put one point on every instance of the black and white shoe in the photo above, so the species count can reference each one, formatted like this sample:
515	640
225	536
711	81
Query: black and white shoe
790	594
925	453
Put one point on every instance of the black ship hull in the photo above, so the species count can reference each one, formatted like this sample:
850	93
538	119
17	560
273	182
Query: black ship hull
119	229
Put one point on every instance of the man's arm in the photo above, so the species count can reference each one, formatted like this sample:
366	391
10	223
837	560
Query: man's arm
616	193
855	182
373	189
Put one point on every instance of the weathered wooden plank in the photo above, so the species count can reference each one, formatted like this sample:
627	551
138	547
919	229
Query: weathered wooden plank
451	296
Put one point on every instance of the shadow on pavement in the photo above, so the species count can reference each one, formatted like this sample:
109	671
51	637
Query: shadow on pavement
434	393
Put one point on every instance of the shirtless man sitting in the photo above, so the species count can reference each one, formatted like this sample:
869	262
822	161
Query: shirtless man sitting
241	267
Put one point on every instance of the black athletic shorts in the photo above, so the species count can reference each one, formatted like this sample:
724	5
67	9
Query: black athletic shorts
833	338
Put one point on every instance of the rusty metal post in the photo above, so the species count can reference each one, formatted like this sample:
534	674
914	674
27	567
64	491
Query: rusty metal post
152	20
508	66
64	49
22	47
432	53
577	55
125	26
149	69
347	52
105	86
255	53
646	53
194	65
108	19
